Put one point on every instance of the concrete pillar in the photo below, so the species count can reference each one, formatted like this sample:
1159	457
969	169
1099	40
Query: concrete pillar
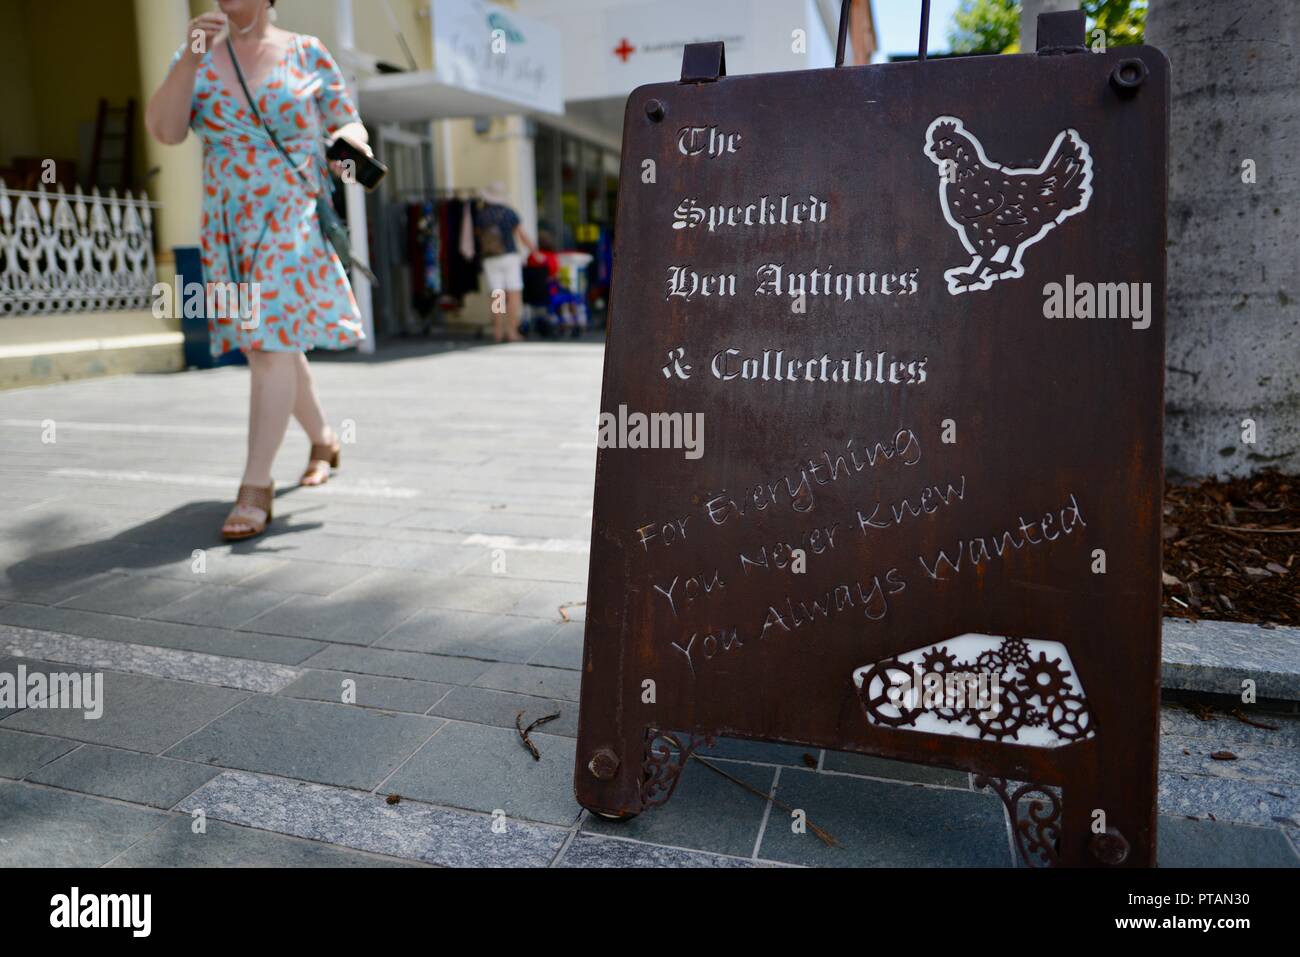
1233	345
354	197
178	185
522	181
1029	11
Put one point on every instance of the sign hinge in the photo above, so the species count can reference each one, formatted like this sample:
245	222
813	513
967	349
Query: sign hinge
1061	32
703	62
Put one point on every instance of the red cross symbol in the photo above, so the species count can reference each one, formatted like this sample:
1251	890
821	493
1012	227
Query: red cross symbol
623	50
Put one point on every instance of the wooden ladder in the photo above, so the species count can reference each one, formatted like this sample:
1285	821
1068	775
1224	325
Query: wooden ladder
111	154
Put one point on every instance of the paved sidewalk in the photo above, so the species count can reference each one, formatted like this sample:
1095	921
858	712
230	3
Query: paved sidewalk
430	576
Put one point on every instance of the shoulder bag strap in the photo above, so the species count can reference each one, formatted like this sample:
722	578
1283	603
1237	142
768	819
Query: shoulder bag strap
230	48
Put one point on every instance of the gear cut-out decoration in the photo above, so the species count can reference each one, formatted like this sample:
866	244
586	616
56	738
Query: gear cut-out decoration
1035	697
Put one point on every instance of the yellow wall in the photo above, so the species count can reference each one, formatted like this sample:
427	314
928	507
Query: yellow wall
17	119
370	25
76	51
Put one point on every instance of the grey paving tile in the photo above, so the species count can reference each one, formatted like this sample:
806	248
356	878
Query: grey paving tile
1216	656
369	691
309	740
141	713
130	595
545	600
1243	802
484	769
763	752
333	619
1184	843
52	587
400	664
885	825
219	606
418	556
99	655
72	570
590	850
215	566
43	827
365	821
562	650
1221	730
471	593
215	641
8	666
305	578
513	522
874	767
499	708
707	812
124	775
392	533
433	518
317	545
1274	766
470	634
21	754
359	513
227	845
407	588
529	679
535	565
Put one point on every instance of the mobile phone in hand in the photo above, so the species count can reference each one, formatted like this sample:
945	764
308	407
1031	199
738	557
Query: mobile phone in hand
369	171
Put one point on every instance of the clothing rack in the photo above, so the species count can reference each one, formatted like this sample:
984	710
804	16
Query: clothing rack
452	192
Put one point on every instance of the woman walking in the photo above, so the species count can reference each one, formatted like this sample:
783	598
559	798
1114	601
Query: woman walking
260	229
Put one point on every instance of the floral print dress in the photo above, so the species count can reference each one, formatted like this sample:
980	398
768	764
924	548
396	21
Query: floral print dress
259	221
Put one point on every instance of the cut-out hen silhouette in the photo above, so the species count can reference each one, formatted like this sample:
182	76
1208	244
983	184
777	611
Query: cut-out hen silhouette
998	211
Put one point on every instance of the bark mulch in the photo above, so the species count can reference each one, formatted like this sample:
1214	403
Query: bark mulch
1232	549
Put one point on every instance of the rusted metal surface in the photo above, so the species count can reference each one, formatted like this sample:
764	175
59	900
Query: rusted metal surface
697	624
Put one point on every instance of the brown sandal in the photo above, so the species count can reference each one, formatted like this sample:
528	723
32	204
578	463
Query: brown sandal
254	497
320	460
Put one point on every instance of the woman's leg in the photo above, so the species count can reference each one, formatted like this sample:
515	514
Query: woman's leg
307	410
514	309
271	398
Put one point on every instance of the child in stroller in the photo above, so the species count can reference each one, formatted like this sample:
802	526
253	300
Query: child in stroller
563	309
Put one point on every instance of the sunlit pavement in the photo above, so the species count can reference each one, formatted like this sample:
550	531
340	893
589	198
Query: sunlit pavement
261	702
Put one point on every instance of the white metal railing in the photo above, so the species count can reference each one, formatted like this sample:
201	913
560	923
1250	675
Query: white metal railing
74	253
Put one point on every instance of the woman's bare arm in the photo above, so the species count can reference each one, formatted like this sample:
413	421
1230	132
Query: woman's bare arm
167	117
523	238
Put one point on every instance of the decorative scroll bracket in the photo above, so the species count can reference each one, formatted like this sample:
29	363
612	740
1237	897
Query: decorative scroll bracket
1035	811
666	755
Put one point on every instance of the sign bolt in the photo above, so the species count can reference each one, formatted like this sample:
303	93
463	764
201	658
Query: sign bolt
1128	75
655	110
604	764
1110	848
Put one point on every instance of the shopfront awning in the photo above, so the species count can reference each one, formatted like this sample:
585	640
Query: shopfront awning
487	61
421	95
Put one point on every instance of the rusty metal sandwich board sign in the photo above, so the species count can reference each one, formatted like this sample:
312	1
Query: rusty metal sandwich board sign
881	464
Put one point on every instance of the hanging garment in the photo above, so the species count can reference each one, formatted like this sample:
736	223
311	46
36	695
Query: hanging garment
460	273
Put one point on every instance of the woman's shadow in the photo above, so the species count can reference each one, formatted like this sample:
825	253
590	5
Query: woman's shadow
181	535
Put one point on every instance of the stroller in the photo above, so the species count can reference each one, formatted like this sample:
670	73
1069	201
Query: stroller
553	300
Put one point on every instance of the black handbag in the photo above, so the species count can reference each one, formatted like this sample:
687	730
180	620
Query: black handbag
332	226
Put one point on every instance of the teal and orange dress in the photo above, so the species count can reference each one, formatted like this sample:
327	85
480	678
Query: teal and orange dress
259	221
